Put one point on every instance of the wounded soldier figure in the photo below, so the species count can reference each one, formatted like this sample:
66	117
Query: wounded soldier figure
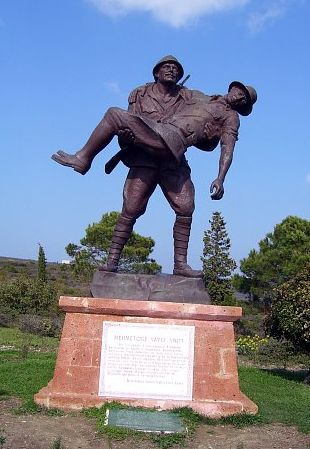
163	119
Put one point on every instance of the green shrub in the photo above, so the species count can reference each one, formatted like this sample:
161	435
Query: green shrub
269	351
26	295
281	353
289	315
38	325
57	444
4	320
10	268
249	344
2	440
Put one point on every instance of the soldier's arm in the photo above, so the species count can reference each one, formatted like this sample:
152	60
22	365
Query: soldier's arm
228	140
135	98
125	136
132	100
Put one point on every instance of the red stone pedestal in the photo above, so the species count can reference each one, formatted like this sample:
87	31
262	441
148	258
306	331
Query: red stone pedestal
215	378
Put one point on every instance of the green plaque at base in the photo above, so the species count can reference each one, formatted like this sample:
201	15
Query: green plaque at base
145	421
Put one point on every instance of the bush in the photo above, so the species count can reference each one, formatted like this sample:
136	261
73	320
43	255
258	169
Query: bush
252	321
277	352
269	351
289	316
248	344
38	325
4	320
26	295
220	292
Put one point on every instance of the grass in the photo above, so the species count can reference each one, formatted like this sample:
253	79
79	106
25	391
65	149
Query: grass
22	378
2	440
16	339
280	395
57	444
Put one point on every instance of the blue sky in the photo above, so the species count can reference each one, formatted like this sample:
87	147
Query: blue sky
64	62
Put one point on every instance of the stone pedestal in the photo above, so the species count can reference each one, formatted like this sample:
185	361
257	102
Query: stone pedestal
145	287
215	391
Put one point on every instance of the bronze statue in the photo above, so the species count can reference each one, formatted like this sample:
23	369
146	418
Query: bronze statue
163	120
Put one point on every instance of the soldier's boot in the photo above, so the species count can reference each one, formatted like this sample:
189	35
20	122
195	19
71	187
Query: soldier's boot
181	232
79	164
81	161
122	232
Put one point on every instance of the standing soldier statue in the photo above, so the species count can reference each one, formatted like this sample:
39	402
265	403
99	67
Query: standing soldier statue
164	118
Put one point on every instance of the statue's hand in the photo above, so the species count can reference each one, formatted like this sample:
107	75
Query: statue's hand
126	137
217	189
210	131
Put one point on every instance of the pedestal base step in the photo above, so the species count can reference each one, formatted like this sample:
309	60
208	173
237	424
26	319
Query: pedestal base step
211	408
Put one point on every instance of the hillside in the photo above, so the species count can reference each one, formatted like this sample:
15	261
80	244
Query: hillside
11	268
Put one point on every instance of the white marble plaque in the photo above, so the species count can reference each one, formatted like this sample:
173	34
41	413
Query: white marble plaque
147	361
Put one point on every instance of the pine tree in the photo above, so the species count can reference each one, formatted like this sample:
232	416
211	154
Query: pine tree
41	264
282	254
217	263
94	247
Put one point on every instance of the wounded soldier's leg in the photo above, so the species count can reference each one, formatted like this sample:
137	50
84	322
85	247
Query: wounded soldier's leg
109	126
114	122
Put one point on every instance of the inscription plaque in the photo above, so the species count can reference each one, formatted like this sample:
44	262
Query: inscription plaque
145	421
147	361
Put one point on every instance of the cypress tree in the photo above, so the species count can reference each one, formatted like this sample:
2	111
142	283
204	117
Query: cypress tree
42	276
218	266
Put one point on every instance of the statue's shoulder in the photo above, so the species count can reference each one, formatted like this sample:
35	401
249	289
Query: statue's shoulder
139	91
197	93
193	94
216	97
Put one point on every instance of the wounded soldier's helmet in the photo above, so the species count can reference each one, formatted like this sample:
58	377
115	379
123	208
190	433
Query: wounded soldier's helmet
251	96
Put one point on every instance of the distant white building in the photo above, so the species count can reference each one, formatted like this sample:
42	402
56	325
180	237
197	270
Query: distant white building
66	261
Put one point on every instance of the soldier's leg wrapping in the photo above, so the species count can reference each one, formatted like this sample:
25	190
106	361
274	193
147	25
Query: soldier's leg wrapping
179	190
121	234
139	186
181	233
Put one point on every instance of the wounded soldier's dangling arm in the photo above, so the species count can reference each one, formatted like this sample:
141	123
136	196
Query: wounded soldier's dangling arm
227	149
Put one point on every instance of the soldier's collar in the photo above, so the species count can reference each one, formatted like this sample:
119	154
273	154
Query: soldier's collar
179	91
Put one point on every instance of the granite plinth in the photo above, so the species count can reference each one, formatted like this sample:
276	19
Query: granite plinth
143	287
215	390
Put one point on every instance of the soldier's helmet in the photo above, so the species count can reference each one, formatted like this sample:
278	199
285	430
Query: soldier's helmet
169	58
251	95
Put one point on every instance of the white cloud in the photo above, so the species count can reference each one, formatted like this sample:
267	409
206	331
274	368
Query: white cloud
308	177
268	14
112	86
176	13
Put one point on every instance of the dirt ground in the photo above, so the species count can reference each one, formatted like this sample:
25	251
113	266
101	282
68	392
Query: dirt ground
77	432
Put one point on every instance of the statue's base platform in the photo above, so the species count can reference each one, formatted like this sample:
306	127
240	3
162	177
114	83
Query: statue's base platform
146	287
215	390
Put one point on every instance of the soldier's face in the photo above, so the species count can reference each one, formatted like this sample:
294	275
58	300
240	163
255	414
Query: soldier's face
237	96
168	73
